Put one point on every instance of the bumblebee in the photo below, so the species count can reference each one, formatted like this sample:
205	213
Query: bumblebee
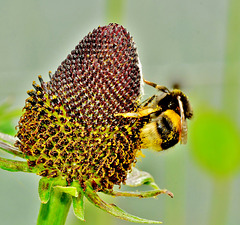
165	117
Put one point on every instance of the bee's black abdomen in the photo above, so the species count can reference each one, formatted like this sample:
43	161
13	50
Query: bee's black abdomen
168	132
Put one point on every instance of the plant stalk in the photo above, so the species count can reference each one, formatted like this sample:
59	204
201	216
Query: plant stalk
220	202
55	211
114	11
232	65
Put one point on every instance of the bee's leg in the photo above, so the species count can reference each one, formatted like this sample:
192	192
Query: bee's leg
146	102
140	113
130	114
158	87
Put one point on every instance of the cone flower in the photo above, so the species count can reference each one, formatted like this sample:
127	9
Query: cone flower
69	133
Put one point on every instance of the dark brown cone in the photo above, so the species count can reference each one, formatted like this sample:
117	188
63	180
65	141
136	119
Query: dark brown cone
69	127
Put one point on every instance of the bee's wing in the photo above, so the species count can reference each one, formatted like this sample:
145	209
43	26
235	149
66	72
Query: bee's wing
184	128
184	131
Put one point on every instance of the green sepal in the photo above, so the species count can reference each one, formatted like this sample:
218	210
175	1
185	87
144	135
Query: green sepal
78	206
112	209
141	194
68	190
44	189
78	203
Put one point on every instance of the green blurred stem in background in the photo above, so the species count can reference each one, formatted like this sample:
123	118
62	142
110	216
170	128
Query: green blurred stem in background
232	60
220	202
114	11
222	188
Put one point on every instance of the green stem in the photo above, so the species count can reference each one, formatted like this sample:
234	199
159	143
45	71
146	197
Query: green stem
114	11
220	202
56	210
232	66
221	194
178	183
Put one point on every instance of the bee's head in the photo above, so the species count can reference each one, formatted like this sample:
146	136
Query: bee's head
173	100
166	99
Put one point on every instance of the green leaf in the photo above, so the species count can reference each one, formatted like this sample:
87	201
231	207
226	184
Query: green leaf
112	209
216	143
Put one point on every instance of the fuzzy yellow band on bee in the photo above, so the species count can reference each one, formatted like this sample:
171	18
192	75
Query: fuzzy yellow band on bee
163	132
175	119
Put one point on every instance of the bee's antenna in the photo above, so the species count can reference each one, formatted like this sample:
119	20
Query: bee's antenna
158	87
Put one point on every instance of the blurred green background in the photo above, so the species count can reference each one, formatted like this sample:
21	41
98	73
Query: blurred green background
192	43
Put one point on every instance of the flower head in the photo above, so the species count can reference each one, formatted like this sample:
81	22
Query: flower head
69	128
